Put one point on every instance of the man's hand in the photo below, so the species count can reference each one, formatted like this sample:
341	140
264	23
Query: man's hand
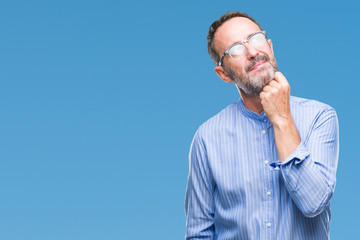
275	99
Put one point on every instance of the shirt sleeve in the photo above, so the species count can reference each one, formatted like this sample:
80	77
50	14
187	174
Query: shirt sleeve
310	171
199	203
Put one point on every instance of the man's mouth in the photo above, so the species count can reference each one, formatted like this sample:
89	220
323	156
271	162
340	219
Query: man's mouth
257	65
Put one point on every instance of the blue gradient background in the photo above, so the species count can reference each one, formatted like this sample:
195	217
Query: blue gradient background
100	101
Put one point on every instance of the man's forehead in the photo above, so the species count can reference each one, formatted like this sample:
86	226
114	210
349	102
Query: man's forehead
234	30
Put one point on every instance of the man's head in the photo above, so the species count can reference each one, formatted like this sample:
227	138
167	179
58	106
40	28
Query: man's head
250	69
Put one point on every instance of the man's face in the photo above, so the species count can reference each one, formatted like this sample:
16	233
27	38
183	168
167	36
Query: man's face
256	67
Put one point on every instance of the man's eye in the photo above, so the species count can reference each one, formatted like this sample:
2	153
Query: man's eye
237	50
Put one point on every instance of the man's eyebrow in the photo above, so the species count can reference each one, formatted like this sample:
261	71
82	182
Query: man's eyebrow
233	43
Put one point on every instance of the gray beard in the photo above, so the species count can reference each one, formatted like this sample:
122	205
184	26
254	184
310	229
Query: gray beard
253	85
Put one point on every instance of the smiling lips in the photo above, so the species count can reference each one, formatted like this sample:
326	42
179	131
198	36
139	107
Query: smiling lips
257	65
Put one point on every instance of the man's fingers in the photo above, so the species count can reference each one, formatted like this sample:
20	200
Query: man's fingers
274	84
262	95
271	86
267	88
280	78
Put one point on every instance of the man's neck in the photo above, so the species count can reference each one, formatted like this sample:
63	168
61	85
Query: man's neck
252	103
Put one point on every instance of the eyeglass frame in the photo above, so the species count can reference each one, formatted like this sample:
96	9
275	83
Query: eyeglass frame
241	43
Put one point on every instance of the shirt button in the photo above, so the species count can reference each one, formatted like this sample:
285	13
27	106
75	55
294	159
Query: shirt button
266	162
263	132
268	193
268	225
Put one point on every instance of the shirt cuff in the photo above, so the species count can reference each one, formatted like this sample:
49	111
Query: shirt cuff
297	157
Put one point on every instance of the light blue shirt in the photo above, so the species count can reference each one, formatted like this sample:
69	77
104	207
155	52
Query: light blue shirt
237	187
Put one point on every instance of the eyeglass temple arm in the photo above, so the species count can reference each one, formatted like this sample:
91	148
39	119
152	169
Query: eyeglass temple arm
222	58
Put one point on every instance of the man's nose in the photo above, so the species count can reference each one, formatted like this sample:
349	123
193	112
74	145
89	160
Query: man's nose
250	52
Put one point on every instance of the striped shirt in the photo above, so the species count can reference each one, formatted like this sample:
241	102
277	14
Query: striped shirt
237	187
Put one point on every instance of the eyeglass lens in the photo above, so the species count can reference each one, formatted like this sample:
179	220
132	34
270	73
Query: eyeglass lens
257	40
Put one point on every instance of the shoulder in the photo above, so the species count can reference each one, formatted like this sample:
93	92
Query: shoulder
310	114
219	121
308	106
308	103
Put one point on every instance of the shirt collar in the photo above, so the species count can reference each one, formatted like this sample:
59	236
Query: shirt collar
250	114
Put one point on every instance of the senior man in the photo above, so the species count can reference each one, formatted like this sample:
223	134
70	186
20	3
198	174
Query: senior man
265	166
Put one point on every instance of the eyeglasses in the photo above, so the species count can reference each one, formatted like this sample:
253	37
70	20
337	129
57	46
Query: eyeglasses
236	50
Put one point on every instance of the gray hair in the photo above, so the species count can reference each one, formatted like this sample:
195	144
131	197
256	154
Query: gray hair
215	25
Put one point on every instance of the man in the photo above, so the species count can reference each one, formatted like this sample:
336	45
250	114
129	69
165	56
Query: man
265	166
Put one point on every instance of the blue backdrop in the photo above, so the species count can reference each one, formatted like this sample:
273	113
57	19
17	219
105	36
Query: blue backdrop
99	101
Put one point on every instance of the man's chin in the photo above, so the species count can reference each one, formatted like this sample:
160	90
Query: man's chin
251	91
256	80
257	84
263	78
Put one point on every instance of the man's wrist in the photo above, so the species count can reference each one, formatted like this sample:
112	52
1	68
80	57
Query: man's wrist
283	123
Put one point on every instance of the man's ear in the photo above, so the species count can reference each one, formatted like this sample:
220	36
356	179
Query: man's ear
222	74
271	45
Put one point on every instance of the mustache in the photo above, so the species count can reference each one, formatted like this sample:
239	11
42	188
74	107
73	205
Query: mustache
256	60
